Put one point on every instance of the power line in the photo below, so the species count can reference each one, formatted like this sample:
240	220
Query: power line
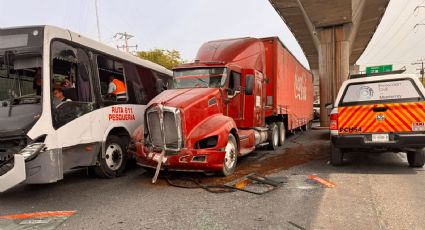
125	37
97	20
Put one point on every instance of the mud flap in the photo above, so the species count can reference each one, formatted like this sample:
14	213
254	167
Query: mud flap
14	176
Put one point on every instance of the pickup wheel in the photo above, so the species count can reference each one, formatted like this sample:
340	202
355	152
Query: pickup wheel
282	133
416	159
231	156
337	156
115	160
273	136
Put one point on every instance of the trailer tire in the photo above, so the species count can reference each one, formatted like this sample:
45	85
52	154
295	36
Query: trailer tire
307	126
115	160
337	156
282	132
231	156
416	159
273	136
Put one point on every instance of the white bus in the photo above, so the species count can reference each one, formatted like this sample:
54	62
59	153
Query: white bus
43	135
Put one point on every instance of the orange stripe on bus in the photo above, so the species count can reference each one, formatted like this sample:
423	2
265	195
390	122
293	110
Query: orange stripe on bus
39	215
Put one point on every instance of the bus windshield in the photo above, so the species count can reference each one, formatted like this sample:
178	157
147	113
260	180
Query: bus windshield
20	78
200	78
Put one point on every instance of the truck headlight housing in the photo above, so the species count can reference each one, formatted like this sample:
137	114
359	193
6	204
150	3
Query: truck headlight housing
31	150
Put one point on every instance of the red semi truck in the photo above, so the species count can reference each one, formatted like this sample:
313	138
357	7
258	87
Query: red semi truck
239	94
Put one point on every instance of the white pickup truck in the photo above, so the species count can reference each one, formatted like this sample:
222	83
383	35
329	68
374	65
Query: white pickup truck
382	113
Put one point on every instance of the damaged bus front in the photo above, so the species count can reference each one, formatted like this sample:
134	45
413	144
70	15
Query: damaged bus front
21	87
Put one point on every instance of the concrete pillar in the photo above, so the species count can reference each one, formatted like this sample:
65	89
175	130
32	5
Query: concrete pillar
334	54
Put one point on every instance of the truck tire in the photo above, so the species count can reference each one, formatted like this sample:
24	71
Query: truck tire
273	136
115	160
231	156
282	132
416	159
307	126
337	156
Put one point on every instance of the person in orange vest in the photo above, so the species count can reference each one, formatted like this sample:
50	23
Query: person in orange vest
117	88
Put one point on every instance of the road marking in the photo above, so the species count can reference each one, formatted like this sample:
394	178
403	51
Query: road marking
39	215
326	183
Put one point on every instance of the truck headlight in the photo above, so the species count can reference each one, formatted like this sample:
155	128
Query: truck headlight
31	151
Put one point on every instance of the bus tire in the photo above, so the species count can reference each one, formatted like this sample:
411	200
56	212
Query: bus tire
282	132
273	136
416	159
230	157
115	160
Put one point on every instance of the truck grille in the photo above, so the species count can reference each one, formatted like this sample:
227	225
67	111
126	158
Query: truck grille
163	120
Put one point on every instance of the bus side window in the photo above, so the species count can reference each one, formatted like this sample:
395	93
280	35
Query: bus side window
134	85
72	95
113	84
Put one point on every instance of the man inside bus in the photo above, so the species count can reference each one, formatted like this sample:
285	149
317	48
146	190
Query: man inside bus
59	98
117	88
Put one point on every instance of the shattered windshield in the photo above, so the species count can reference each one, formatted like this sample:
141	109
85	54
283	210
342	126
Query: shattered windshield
200	78
20	78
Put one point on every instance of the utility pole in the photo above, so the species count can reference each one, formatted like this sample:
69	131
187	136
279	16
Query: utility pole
97	20
124	36
421	70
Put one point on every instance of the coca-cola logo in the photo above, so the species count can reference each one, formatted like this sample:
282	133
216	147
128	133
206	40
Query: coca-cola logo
300	87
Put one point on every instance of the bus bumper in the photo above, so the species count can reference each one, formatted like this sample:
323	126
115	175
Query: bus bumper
14	176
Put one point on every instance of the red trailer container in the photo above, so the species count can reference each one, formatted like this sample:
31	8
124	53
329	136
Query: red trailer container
290	87
238	95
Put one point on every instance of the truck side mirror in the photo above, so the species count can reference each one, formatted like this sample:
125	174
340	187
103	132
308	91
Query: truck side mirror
249	84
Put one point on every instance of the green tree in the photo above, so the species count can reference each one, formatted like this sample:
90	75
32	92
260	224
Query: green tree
167	58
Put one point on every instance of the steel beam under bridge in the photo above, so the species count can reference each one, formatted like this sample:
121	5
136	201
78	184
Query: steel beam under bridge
333	34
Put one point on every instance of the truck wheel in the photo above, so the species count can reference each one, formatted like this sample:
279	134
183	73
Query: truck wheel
307	126
115	160
416	159
231	156
282	132
273	136
337	156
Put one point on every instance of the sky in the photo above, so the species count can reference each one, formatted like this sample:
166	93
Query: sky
184	25
399	38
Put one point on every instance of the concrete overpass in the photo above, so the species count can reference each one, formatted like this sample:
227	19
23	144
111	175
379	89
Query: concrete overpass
333	34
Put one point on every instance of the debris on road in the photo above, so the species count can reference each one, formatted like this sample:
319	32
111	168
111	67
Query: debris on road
322	181
256	184
36	220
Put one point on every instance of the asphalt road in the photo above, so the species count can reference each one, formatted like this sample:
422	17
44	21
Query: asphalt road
371	192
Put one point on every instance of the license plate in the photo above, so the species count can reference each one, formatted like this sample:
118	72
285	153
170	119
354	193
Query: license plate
380	138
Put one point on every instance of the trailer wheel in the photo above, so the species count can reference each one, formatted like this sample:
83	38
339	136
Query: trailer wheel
282	132
307	126
231	156
337	156
273	136
115	160
416	159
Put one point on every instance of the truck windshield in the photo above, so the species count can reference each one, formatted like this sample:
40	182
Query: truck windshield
403	90
20	78
200	78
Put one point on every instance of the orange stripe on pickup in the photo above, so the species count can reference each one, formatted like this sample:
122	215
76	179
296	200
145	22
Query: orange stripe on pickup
39	215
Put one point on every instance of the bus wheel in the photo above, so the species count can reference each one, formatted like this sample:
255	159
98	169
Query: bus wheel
115	160
282	132
231	156
273	136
